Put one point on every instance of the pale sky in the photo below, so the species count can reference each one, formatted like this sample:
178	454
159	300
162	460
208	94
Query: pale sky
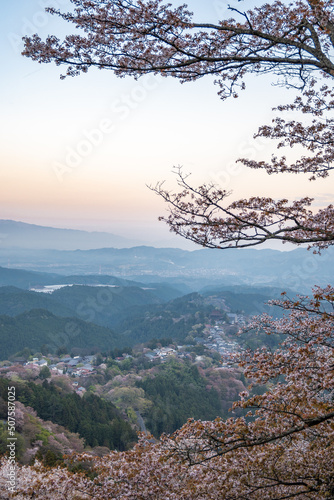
78	153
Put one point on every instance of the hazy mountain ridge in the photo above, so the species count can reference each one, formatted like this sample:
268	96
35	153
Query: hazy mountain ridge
14	234
38	248
298	269
25	279
15	301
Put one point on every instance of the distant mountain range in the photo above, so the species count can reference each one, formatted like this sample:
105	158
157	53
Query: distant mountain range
70	252
188	270
124	296
15	234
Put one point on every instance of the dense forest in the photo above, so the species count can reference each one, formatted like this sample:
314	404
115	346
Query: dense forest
178	392
97	421
132	323
39	327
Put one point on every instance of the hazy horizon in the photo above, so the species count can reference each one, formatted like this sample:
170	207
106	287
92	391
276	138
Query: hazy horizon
166	240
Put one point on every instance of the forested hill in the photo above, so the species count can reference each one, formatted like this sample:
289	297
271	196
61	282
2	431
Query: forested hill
104	305
38	327
102	318
14	301
97	421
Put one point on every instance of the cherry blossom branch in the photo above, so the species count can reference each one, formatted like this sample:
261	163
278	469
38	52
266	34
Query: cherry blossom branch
137	38
199	215
316	138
